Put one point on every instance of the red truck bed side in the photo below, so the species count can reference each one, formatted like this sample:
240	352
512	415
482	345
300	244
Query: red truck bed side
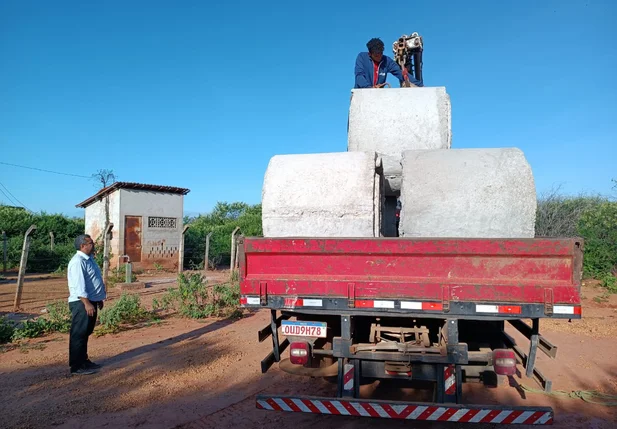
473	277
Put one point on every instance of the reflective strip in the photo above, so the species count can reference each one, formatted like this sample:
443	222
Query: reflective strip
348	377
383	304
450	380
481	308
409	305
563	309
358	407
313	302
253	300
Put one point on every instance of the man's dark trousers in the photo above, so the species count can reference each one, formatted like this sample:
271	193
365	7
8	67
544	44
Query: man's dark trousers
82	326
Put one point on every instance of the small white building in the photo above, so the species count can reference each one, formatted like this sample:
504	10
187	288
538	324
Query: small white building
147	222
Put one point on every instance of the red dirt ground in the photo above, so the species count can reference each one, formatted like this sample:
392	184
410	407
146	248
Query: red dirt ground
205	374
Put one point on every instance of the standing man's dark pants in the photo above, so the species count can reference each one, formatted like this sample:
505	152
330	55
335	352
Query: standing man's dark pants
82	326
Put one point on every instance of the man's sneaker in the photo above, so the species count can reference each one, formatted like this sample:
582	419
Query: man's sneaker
91	365
82	371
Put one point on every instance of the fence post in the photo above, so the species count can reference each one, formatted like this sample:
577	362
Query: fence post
22	267
4	252
51	243
207	256
181	255
233	252
106	250
237	253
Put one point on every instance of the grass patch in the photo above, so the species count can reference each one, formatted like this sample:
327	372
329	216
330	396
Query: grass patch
195	299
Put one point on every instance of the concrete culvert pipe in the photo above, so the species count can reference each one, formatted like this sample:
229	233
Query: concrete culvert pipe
391	121
322	195
476	193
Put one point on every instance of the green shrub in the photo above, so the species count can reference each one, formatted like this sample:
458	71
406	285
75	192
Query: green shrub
126	310
558	215
609	282
7	330
41	258
598	226
33	328
118	275
195	299
59	315
58	319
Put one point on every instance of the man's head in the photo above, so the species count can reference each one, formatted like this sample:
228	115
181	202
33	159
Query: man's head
375	49
84	243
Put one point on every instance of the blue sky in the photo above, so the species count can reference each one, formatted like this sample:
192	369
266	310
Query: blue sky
201	95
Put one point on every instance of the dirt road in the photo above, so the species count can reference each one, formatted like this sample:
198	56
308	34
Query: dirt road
191	374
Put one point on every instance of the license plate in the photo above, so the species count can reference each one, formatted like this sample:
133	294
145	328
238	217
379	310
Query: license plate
304	329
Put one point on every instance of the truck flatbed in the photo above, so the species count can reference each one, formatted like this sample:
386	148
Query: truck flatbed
477	278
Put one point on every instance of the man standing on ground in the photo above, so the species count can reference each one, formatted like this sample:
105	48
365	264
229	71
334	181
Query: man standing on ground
373	66
86	295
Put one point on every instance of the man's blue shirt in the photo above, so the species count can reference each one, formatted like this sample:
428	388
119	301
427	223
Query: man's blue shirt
85	279
365	74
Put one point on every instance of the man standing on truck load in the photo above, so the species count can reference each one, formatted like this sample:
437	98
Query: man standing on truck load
373	66
86	295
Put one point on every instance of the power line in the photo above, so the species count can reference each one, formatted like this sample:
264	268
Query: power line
46	171
9	198
14	197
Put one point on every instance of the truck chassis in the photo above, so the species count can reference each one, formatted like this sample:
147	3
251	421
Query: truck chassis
432	311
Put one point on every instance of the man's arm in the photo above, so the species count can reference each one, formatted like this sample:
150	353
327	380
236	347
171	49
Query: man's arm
396	71
361	80
77	283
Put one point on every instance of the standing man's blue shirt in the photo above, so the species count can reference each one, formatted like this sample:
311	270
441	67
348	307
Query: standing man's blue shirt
365	75
85	279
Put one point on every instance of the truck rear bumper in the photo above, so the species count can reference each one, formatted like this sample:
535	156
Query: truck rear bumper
408	410
409	308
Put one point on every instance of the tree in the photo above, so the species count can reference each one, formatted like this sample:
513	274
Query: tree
105	178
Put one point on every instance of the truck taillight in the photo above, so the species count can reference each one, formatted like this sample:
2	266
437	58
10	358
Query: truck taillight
299	353
504	362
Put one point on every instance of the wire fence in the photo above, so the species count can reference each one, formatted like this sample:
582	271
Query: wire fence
48	255
45	254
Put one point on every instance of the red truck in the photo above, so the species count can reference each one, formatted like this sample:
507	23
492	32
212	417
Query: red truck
418	310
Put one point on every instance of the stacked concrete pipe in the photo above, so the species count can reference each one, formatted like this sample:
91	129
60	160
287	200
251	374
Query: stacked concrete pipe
399	146
323	195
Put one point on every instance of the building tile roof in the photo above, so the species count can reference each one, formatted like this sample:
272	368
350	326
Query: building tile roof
131	185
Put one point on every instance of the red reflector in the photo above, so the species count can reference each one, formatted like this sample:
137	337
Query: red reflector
432	306
578	310
293	302
364	304
509	309
243	300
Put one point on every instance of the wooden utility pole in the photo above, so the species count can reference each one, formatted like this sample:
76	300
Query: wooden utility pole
22	267
51	242
181	253
207	255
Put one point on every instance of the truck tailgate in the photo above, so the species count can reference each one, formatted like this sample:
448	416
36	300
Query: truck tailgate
474	277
